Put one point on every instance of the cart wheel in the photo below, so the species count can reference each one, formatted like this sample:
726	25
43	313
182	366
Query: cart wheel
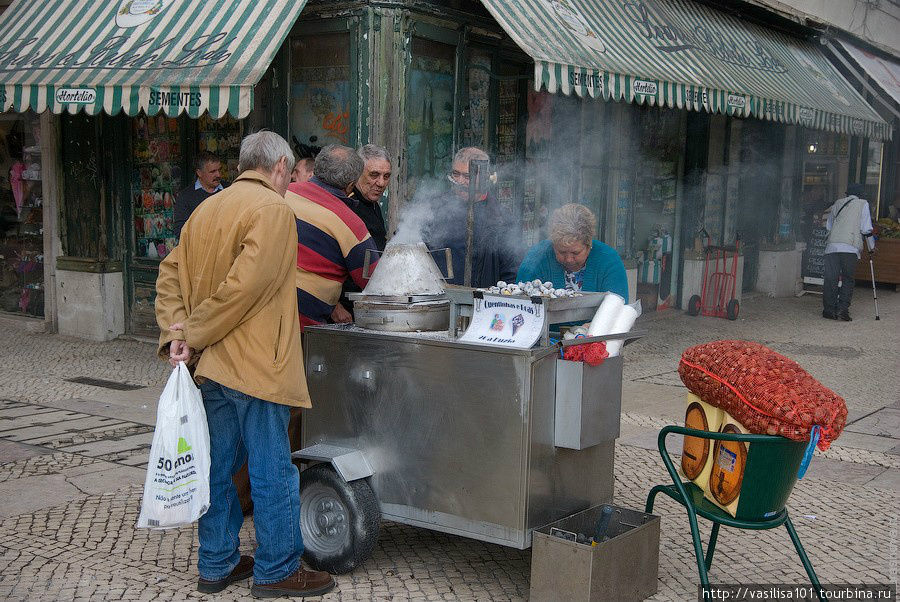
339	520
693	307
733	309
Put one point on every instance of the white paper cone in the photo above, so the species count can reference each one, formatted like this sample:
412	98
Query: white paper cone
623	323
603	320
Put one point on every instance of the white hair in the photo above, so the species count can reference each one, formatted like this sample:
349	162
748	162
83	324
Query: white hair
572	223
373	151
263	150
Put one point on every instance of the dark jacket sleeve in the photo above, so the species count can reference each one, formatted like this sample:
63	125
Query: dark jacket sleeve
183	210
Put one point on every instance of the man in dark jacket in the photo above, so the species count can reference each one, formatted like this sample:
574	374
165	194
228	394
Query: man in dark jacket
366	203
208	182
493	255
369	189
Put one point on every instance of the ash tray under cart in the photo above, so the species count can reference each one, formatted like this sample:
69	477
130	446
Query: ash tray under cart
624	567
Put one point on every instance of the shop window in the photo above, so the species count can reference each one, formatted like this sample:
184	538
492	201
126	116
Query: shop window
430	111
320	89
221	137
538	135
157	176
21	219
872	174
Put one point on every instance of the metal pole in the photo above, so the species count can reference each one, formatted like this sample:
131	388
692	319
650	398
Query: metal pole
478	171
874	294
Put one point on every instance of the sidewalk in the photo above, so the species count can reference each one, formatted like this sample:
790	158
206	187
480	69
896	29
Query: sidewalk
72	457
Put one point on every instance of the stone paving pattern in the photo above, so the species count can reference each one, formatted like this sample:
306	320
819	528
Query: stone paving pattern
85	446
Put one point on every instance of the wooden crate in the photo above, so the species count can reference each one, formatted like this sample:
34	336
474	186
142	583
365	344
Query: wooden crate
886	262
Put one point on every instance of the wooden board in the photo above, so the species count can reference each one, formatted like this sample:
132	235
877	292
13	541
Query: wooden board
886	262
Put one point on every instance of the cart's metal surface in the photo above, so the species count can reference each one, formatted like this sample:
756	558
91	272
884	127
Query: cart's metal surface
473	440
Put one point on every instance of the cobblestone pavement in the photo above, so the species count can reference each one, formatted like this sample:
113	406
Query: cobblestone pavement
71	458
88	549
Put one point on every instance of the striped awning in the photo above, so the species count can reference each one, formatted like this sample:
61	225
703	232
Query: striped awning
169	56
679	53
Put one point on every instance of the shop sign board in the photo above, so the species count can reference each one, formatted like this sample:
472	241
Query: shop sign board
643	87
737	101
80	96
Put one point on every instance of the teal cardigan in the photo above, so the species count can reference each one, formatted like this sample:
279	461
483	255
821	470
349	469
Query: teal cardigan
604	270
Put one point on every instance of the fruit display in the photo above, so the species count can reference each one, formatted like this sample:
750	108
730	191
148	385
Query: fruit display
887	228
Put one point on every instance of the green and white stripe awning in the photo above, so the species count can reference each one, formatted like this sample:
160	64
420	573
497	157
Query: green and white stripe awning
679	53
169	56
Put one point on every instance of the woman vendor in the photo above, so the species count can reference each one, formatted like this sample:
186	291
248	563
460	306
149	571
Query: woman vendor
573	258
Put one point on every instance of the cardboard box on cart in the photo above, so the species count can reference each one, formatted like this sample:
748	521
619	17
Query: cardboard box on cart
623	568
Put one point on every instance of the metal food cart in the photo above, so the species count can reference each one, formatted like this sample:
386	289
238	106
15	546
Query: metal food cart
475	440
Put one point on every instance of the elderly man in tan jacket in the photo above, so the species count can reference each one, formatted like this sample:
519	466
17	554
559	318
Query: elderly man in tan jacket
226	297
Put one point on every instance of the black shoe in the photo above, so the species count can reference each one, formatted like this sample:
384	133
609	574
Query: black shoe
845	316
243	570
829	314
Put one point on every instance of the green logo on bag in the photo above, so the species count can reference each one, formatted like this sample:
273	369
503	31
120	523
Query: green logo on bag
183	446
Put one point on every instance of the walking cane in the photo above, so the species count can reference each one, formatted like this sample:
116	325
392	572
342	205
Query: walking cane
874	294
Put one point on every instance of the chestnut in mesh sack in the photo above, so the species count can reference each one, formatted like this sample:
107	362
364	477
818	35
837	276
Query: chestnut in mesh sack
763	390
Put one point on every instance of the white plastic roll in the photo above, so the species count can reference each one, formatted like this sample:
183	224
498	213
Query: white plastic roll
623	323
603	320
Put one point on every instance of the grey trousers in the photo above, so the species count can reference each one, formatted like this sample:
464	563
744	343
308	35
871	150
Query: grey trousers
839	266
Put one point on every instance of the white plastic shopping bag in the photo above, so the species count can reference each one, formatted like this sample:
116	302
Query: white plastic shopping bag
176	491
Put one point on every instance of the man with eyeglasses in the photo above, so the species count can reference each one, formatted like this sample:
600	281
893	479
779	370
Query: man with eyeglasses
495	253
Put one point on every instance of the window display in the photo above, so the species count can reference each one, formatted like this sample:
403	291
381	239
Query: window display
21	216
430	123
156	179
221	137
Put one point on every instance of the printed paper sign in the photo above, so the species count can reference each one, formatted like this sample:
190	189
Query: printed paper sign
505	322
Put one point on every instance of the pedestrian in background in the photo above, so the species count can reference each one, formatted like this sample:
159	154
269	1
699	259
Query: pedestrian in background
227	294
208	168
849	223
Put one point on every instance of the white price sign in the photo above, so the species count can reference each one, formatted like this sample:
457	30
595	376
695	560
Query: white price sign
505	322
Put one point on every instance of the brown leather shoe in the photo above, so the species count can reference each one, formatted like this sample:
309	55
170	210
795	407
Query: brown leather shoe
299	585
243	570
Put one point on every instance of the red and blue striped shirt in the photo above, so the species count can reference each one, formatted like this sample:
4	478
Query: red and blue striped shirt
332	243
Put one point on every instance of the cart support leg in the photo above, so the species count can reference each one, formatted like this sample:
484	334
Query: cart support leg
698	549
711	547
803	557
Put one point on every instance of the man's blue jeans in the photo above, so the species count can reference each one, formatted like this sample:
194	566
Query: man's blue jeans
242	427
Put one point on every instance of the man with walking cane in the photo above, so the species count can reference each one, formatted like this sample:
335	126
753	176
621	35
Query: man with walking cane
849	223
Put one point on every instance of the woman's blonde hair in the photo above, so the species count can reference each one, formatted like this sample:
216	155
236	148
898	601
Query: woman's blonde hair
573	223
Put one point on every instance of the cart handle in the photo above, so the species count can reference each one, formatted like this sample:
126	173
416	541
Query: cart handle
628	336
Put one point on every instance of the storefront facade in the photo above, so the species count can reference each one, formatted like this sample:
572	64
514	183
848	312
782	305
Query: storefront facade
583	101
128	95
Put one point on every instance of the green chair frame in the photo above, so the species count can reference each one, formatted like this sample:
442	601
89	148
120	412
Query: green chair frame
691	497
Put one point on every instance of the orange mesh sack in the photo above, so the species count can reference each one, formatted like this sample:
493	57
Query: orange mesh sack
766	392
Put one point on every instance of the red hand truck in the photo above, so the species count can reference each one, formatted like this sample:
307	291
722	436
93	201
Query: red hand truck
717	296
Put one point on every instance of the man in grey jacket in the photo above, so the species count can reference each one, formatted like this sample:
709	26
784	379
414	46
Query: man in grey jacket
849	223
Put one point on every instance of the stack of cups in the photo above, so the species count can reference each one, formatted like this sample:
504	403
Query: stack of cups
613	317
